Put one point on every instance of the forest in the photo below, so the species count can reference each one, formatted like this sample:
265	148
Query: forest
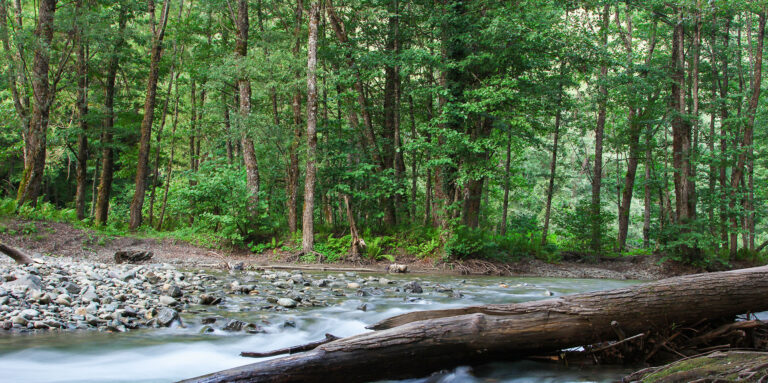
365	129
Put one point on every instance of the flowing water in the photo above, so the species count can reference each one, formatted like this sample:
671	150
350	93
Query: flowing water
170	354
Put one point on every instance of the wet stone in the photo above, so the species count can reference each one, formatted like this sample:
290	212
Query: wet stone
234	325
414	287
166	316
287	302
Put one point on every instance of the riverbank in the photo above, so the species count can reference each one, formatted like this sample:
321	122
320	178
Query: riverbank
38	238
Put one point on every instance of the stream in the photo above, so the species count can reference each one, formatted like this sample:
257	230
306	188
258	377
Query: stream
179	352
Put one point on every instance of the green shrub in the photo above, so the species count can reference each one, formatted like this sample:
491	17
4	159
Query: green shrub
377	248
333	248
469	243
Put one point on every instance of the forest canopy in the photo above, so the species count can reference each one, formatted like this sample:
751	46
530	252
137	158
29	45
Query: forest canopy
367	128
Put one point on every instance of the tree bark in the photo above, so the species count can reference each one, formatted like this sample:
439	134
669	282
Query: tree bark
724	127
635	118
552	164
107	154
82	115
30	187
169	168
142	169
308	228
597	179
292	183
244	87
446	338
507	164
746	151
685	192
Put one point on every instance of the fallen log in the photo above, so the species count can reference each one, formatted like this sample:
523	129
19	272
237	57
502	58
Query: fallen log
15	254
419	343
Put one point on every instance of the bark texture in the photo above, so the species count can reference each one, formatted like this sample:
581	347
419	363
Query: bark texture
142	169
446	338
30	187
308	228
107	155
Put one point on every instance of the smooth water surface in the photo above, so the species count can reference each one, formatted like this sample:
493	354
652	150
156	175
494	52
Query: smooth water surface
170	354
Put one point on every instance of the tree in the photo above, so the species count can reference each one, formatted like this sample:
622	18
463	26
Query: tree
308	228
597	177
44	92
142	168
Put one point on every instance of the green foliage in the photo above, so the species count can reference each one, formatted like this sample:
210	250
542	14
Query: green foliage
259	248
333	248
577	221
467	242
7	207
28	228
377	248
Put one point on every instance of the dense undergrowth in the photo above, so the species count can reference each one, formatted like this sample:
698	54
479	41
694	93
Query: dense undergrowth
332	243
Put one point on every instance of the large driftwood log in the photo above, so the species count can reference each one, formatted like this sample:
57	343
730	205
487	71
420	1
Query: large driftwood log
418	343
15	254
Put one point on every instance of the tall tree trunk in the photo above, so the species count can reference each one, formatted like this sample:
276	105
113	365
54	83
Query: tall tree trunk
82	115
724	127
244	86
647	193
597	179
35	143
169	167
292	183
635	118
414	162
107	154
711	138
308	229
391	152
159	136
505	202
552	163
158	33
746	151
685	193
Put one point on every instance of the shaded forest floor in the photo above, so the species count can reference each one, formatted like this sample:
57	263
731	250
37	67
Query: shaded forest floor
64	240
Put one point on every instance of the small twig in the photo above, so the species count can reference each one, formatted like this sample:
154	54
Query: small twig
614	344
291	350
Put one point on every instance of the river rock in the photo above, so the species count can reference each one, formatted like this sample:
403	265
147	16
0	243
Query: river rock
89	294
29	313
174	291
287	302
414	287
166	316
234	325
353	285
71	288
166	300
19	320
282	284
206	299
24	282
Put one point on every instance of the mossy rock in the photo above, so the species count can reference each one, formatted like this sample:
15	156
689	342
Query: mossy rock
732	366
